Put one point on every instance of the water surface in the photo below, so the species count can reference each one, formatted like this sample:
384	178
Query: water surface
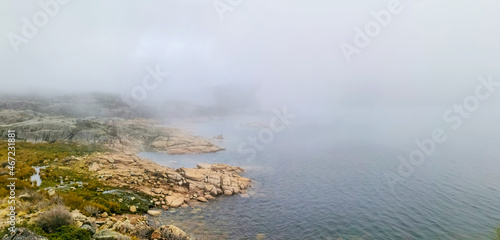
324	179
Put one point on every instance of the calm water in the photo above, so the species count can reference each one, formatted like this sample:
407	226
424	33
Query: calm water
36	177
325	180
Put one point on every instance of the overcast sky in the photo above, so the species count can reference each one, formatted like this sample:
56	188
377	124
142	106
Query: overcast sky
430	53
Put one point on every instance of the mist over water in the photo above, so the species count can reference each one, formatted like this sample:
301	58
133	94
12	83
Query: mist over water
325	179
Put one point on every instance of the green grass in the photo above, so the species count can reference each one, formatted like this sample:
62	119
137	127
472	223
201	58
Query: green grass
44	154
66	232
40	154
106	202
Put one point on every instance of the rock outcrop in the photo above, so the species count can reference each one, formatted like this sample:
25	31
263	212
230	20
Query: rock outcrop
23	234
154	213
74	105
169	187
126	135
122	227
182	144
169	232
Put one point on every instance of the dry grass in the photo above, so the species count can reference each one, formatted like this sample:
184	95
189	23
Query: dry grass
55	218
91	210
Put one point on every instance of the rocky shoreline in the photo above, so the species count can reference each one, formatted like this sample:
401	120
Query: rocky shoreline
124	168
119	227
118	167
168	187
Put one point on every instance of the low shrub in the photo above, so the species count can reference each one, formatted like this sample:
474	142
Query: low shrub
94	208
54	219
91	210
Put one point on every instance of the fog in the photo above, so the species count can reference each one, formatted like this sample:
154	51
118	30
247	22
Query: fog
354	119
254	54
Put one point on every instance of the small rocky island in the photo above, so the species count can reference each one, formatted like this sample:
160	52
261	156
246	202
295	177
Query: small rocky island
94	183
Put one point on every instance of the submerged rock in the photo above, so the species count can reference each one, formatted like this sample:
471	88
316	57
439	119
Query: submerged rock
260	236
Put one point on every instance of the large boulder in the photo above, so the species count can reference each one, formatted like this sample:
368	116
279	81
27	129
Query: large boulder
174	176
201	199
154	213
108	234
124	227
94	167
51	192
174	201
89	228
193	174
143	232
169	232
23	234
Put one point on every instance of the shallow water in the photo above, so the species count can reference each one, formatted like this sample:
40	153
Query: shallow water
35	178
325	180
